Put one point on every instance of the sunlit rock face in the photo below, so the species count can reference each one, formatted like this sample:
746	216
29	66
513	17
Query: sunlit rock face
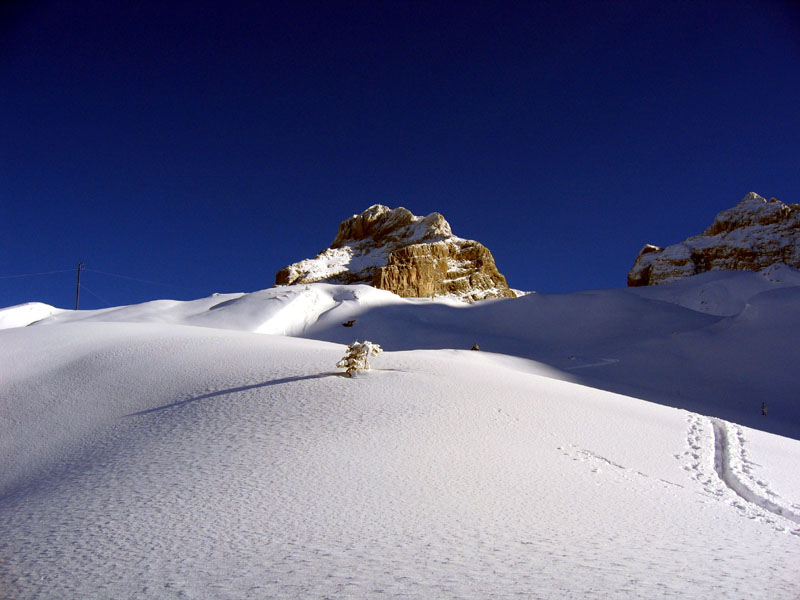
754	234
414	257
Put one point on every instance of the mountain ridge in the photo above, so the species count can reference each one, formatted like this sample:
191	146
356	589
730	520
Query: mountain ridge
754	234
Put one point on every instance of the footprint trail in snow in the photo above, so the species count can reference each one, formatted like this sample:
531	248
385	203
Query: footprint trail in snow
719	462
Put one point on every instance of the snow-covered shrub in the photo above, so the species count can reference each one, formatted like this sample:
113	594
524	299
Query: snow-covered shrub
357	357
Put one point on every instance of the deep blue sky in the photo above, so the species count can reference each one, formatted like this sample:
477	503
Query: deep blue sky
205	145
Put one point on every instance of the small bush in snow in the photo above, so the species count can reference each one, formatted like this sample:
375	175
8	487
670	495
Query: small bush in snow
357	357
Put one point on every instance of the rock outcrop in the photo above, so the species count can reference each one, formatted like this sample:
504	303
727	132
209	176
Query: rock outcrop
414	257
754	234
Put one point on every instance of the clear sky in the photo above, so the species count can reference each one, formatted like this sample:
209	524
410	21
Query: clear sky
205	145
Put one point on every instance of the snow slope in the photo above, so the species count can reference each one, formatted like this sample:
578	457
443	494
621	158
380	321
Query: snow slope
720	343
144	460
25	314
198	450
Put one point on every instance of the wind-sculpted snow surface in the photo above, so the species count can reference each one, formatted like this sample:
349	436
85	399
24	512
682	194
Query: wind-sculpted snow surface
151	460
25	314
720	343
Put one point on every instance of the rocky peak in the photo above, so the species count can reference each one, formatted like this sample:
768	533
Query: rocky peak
754	234
752	210
412	256
381	225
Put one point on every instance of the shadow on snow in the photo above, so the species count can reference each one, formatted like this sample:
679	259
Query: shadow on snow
243	388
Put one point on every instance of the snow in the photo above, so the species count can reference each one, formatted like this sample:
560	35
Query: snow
723	293
25	314
211	449
328	263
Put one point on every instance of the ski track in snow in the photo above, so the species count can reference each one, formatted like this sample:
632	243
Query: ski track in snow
718	460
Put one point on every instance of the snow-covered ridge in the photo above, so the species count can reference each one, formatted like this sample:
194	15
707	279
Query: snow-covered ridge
25	314
691	343
197	449
149	459
754	234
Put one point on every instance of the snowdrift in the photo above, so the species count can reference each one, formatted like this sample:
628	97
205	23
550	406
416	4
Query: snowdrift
720	343
166	461
211	449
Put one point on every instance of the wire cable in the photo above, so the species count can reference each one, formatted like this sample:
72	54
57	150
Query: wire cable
132	278
103	300
35	274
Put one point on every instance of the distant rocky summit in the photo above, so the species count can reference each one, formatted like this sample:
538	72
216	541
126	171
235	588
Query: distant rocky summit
754	234
414	257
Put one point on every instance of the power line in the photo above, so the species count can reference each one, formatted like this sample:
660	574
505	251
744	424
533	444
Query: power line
133	278
81	283
103	300
35	274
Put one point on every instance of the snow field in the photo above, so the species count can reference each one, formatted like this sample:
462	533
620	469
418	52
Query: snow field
24	314
166	461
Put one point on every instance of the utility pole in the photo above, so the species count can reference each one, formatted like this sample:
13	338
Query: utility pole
81	266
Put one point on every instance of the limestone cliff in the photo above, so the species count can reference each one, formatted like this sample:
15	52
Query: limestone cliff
754	234
392	249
